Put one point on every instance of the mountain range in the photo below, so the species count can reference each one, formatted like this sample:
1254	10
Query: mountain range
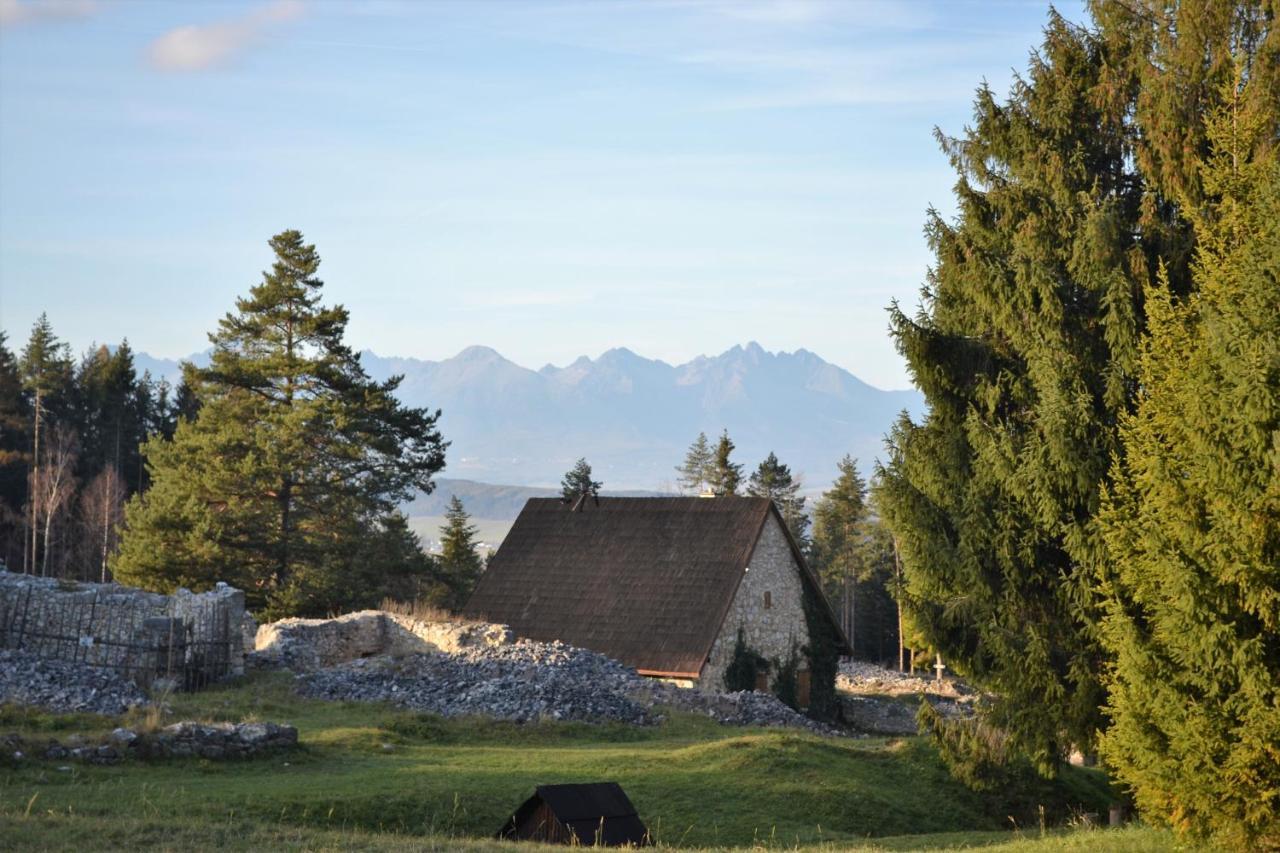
633	417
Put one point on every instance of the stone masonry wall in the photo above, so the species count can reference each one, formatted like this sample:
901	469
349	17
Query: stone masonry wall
109	625
304	645
772	631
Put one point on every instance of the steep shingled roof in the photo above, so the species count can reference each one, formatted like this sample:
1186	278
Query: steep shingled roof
647	581
592	814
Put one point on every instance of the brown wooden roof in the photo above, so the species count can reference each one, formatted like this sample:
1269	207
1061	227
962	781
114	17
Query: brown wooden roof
647	581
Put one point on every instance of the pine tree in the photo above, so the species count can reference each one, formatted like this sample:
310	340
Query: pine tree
47	377
773	480
1192	521
693	474
1072	194
838	517
460	562
15	448
293	465
577	482
185	403
724	476
108	419
1024	348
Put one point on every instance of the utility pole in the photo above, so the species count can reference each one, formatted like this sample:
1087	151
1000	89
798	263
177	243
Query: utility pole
35	477
897	575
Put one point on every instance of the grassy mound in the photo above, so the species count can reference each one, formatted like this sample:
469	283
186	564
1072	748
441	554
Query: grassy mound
368	775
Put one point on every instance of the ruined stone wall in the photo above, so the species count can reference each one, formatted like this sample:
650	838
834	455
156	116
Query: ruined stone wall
308	644
142	634
773	630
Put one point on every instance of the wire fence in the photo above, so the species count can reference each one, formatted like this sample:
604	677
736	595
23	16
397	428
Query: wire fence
187	643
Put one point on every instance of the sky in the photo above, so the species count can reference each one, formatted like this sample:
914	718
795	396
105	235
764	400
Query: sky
551	179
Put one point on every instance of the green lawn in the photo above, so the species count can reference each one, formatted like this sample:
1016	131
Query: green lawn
371	777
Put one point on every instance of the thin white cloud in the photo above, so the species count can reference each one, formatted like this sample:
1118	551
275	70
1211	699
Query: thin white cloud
14	12
198	47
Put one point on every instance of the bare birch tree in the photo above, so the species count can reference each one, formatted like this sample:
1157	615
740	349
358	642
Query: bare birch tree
101	513
53	483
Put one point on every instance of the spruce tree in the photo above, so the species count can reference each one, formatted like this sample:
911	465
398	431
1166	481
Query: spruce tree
1024	347
460	560
15	449
108	419
577	482
837	530
48	380
693	474
292	466
1192	521
773	480
724	477
1071	195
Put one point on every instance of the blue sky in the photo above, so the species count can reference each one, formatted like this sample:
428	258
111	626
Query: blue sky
550	179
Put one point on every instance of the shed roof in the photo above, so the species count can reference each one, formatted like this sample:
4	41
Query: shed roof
647	581
596	812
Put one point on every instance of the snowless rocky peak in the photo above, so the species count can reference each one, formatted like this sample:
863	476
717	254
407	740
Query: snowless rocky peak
633	417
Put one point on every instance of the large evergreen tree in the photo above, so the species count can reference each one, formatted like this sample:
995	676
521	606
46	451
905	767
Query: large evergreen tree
108	416
1072	193
694	473
724	477
837	528
15	458
48	380
1192	522
773	480
292	466
1024	348
460	560
577	482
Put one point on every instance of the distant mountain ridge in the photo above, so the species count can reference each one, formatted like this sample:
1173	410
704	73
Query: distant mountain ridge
634	417
497	502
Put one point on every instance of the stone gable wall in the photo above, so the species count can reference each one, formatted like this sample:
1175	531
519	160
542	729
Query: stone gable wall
772	631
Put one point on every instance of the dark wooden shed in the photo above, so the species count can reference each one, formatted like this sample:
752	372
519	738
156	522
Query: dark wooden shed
590	814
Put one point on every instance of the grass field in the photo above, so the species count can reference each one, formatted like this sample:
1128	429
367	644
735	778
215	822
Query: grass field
371	777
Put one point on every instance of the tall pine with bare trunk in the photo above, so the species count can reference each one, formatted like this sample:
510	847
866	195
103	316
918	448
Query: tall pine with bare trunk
287	477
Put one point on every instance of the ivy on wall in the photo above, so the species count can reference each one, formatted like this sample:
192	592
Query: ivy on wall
823	655
744	667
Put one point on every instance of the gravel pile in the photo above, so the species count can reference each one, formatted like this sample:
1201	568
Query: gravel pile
870	698
868	678
527	681
522	681
745	708
64	687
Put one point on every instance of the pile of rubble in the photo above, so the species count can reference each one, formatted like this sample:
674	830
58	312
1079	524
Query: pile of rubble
867	678
521	681
744	708
527	681
65	687
180	740
883	701
303	645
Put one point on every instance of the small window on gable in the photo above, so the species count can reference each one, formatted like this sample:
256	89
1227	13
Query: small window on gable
768	600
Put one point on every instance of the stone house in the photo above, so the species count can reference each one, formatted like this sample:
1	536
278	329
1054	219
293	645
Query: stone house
661	584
